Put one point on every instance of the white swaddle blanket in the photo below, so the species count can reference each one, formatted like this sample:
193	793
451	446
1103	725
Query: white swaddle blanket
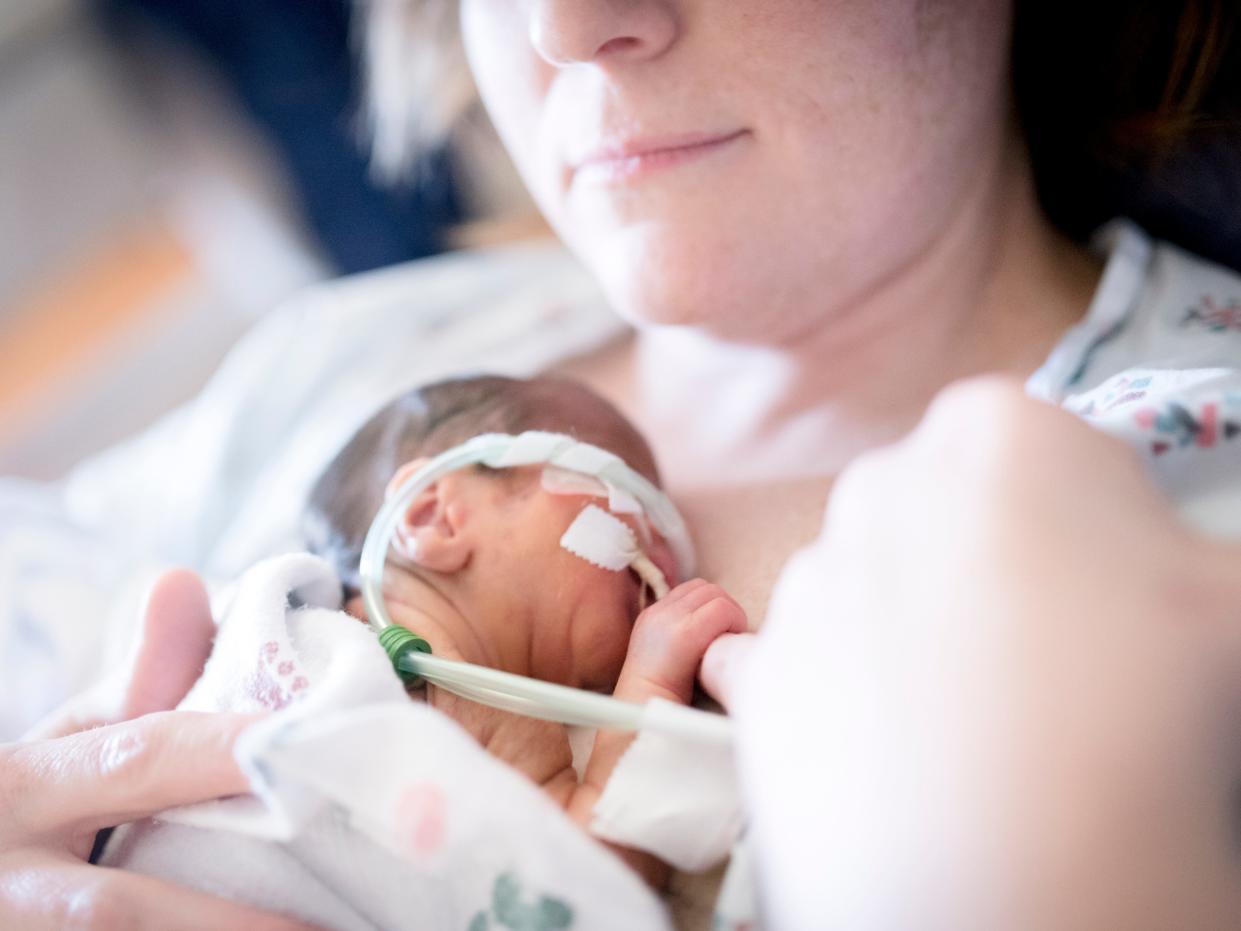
374	811
371	811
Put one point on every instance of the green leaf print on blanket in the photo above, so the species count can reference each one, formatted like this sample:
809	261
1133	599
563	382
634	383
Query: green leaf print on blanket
508	910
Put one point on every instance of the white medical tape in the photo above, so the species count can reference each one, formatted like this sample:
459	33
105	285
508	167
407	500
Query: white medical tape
529	448
537	446
560	481
621	501
601	539
582	457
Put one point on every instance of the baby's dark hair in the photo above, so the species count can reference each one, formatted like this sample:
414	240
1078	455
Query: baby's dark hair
428	420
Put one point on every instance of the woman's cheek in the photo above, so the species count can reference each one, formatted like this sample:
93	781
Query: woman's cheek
512	80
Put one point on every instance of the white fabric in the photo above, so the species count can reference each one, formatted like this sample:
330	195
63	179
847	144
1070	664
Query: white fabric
672	796
558	481
374	811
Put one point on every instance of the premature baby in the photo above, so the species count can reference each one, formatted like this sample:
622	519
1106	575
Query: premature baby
477	570
373	812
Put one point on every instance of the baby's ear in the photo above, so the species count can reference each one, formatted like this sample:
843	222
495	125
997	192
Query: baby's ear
430	534
402	475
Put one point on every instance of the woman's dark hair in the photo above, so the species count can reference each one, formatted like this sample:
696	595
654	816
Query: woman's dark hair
436	417
1134	109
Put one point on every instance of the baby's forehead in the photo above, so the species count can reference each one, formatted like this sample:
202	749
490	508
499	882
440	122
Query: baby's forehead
544	403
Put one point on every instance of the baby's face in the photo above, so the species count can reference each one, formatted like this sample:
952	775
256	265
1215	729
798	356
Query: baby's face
580	615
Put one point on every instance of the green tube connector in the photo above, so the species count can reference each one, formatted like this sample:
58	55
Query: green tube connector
401	644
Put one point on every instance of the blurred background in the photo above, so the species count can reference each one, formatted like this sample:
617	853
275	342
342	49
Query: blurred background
170	170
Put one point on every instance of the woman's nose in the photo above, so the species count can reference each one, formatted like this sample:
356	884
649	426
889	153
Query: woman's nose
566	32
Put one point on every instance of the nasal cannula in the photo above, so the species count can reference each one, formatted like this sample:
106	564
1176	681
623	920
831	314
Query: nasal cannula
628	490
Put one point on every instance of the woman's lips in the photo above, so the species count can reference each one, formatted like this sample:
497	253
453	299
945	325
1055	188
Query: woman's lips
629	160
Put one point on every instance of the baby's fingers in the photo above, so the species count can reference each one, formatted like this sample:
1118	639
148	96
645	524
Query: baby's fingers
694	595
683	592
712	612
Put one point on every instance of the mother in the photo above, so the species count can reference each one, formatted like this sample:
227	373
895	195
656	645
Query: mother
819	213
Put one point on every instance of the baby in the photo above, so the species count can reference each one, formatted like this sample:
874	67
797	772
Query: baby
477	570
371	812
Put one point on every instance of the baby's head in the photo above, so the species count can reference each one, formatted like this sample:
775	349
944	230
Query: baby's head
486	541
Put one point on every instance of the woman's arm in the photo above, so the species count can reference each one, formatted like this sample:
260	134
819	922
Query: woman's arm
1001	690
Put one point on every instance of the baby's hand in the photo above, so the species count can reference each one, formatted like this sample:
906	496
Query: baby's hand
670	638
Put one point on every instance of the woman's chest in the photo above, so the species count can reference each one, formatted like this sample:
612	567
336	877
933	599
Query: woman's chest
744	533
744	536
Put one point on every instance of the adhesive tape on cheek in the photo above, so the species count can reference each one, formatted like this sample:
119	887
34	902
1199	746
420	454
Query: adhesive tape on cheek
558	481
621	501
601	539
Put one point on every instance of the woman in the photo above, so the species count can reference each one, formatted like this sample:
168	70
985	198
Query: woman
820	214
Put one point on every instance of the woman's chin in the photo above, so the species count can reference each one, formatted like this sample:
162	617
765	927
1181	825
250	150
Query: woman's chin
645	310
658	288
732	311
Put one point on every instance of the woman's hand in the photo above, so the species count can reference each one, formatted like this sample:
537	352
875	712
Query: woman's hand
1003	689
58	793
58	788
174	641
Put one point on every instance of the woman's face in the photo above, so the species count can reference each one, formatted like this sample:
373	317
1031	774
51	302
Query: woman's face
731	163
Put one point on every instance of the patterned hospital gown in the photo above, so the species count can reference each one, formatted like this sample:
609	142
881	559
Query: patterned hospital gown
1157	363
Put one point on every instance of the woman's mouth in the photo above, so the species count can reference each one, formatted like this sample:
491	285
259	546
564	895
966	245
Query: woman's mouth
628	160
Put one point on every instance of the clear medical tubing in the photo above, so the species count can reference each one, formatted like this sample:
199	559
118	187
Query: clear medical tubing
506	690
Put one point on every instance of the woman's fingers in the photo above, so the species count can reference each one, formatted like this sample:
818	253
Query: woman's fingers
723	664
177	633
174	642
122	772
56	894
81	712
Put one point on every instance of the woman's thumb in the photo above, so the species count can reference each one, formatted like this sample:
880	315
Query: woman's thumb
723	663
176	638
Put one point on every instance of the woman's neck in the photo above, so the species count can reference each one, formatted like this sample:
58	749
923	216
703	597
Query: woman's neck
992	292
